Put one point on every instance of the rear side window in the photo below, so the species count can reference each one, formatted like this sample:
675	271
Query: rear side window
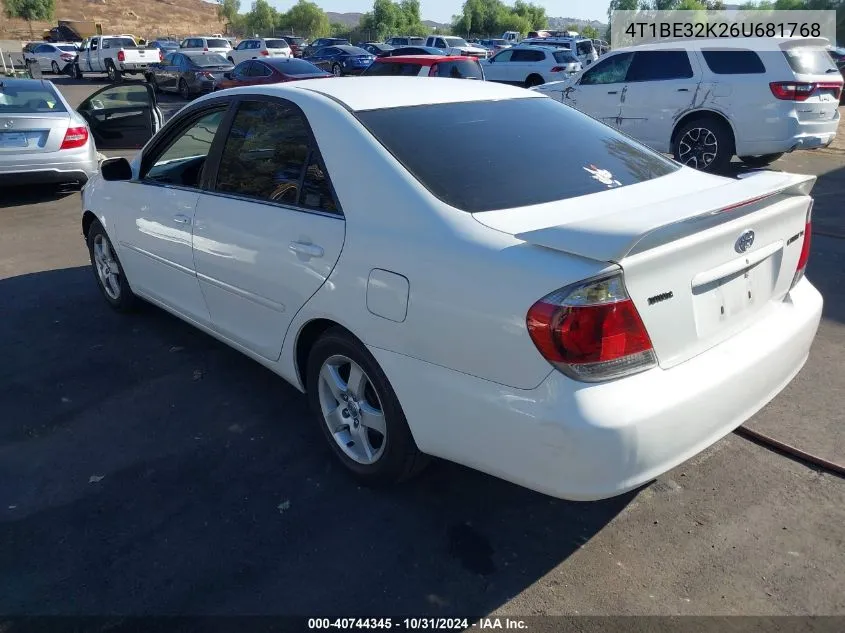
810	61
564	57
523	55
659	66
599	158
463	69
389	69
733	62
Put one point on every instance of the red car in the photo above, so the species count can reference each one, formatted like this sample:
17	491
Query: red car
255	72
426	66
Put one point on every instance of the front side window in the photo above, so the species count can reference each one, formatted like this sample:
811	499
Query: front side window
603	158
504	56
269	156
659	65
242	70
182	161
610	70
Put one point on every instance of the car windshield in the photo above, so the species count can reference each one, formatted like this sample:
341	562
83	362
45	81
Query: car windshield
564	57
204	61
810	61
277	44
68	47
218	44
584	47
455	41
26	98
295	40
296	67
589	156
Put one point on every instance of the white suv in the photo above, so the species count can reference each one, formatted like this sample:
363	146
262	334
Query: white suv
456	46
706	101
531	65
218	45
259	47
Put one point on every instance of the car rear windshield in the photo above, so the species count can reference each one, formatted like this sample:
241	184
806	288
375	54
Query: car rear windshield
416	41
297	67
295	40
29	99
393	69
354	50
571	154
204	61
810	61
218	44
460	69
277	44
119	42
564	57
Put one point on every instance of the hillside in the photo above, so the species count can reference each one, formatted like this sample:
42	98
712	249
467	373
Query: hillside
143	18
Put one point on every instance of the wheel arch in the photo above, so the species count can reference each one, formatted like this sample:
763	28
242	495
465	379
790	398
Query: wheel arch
88	219
702	113
308	335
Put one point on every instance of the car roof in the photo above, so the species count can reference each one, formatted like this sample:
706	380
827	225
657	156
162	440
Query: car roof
425	60
375	93
747	43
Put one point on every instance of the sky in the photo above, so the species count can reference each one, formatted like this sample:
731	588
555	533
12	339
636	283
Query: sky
443	10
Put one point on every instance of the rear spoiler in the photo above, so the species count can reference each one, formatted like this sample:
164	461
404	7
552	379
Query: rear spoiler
618	234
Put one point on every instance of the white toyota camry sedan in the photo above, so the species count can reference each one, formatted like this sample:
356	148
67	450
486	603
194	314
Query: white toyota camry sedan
577	319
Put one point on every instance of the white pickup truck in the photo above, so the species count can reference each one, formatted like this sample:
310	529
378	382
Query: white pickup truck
114	55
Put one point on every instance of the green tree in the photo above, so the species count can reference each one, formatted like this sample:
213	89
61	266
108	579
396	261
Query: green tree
393	18
494	17
619	5
262	18
589	31
29	10
305	18
228	10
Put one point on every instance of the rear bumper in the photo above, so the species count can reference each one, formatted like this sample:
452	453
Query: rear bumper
787	134
592	441
30	173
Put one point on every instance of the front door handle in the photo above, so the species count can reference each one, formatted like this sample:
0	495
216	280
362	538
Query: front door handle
683	89
612	92
309	250
181	219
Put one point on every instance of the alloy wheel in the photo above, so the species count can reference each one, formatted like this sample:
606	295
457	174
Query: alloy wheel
698	148
108	270
352	410
337	71
55	68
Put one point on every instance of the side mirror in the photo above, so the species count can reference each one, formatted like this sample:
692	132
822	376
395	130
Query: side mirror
115	169
227	75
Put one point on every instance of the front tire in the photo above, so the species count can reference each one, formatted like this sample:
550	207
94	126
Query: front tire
358	411
760	161
108	271
337	71
183	90
706	144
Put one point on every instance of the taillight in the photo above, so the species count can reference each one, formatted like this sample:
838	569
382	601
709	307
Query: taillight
121	56
591	331
207	75
805	248
432	71
205	49
265	53
160	55
75	137
558	69
792	90
66	57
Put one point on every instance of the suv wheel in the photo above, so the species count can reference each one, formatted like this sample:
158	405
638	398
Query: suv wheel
534	80
706	143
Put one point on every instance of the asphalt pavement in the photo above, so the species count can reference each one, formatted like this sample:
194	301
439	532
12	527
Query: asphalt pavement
146	468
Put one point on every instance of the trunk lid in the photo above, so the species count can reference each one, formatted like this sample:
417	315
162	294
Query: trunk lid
33	133
812	64
703	256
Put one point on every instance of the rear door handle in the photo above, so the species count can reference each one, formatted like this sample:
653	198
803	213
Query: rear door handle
612	92
683	89
309	250
181	219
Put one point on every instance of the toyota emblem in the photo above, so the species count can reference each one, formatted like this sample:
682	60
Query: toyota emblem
744	241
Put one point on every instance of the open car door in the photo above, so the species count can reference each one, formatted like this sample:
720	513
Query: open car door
123	116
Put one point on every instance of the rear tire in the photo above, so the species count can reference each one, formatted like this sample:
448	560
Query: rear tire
183	90
705	143
55	68
115	76
345	410
337	71
151	79
534	80
77	72
760	161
